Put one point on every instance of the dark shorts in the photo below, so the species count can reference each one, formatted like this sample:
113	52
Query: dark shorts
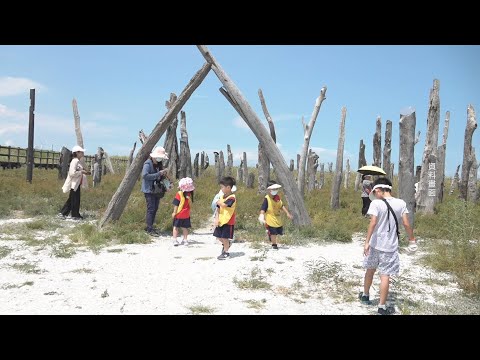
224	232
182	223
275	230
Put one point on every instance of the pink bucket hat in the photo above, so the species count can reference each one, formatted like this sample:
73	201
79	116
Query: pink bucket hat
186	184
159	152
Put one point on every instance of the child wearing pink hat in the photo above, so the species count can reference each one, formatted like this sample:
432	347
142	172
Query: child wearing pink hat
181	210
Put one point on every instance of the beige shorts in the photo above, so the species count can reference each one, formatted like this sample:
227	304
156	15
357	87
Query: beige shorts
387	263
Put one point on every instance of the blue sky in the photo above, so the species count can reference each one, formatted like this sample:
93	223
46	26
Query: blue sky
122	89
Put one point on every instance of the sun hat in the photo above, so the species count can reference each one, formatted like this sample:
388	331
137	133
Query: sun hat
186	184
159	152
274	187
77	148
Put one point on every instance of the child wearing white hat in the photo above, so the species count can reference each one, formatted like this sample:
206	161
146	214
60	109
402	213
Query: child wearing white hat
181	209
270	213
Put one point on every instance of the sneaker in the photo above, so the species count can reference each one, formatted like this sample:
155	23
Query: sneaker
185	242
223	256
364	299
387	311
275	246
61	216
176	243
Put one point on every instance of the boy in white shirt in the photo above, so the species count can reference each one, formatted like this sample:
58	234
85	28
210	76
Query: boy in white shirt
381	244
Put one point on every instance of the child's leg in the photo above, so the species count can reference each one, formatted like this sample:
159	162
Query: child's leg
175	234
368	280
273	239
226	244
384	285
185	234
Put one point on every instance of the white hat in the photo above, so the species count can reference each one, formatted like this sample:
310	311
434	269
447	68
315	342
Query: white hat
372	193
186	184
77	148
274	187
159	152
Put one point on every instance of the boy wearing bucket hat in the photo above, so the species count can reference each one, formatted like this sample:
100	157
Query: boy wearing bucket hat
181	209
381	245
270	213
152	170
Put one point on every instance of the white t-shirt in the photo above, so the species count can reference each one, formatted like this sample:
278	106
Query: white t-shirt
382	239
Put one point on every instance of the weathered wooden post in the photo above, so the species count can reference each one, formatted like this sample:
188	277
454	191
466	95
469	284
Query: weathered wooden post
455	181
472	179
238	101
392	167
31	128
347	174
406	184
292	164
298	162
321	180
312	165
171	143
263	162
377	143
387	148
119	200
427	193
245	168
195	166
467	151
240	173
130	157
202	162
229	161
185	157
64	163
441	154
221	166
307	134
361	162
250	180
330	167
337	181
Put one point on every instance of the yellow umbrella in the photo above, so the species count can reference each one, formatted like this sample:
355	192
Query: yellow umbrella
371	170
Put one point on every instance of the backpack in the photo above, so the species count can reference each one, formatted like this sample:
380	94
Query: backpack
159	189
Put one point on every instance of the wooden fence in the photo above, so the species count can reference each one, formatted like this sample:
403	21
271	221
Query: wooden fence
15	157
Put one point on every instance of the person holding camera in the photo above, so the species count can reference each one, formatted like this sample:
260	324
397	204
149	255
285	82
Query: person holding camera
152	171
73	182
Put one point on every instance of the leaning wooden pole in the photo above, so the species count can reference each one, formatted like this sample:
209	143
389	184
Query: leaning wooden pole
441	155
130	157
337	181
406	168
293	196
119	200
467	151
307	134
361	162
427	187
31	129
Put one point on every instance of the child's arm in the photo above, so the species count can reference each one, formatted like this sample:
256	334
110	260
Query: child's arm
175	208
284	208
217	216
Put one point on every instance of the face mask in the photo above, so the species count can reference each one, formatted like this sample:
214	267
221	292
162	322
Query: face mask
274	192
158	159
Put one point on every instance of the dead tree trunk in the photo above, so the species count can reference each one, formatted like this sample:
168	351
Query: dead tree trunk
171	143
229	161
235	97
65	156
97	167
78	129
392	167
250	180
441	153
347	174
221	165
263	162
337	181
142	137
377	144
195	166
307	134
387	147
406	185
108	163
206	164
467	151
130	157
185	157
202	162
240	173
361	162
245	168
330	167
417	173
312	165
292	165
298	162
119	200
321	180
426	194
455	181
472	179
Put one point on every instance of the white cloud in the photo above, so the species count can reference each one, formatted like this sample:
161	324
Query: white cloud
5	113
12	129
15	86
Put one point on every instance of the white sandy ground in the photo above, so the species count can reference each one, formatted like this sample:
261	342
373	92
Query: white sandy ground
159	278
